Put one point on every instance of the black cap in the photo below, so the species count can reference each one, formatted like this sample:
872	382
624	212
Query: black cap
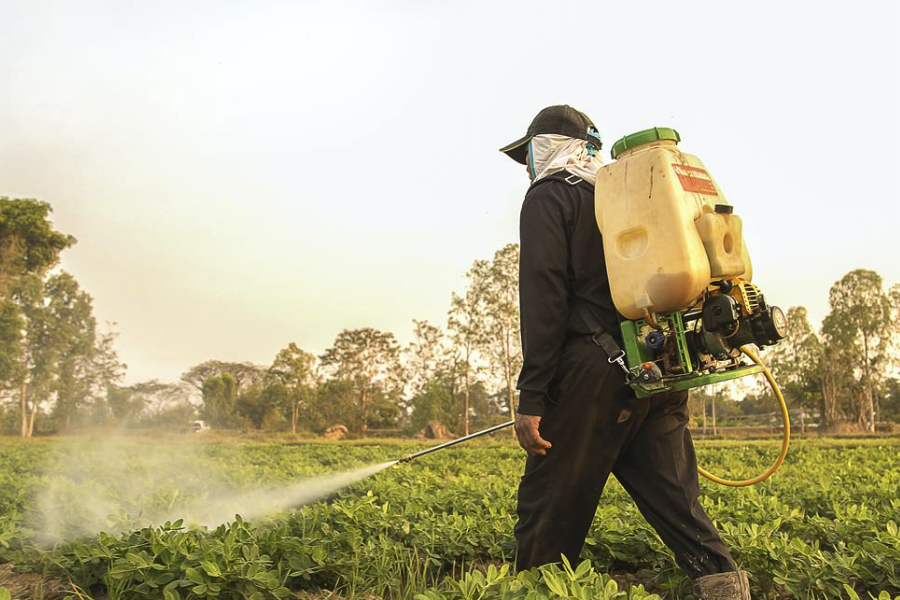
561	119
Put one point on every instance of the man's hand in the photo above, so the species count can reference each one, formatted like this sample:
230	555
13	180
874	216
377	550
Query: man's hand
529	438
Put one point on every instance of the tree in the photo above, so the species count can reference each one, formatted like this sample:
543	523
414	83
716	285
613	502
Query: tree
894	296
11	326
487	408
796	363
838	384
41	345
890	406
125	403
147	401
502	341
29	247
466	324
243	373
432	402
703	397
259	407
219	396
106	368
60	355
294	369
370	360
431	369
28	242
712	397
336	402
427	357
75	382
859	332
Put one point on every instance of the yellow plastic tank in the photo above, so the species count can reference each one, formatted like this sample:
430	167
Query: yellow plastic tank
668	230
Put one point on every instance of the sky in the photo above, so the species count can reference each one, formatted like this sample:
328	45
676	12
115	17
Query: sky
241	175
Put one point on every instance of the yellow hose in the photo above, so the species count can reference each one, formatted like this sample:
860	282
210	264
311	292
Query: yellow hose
784	442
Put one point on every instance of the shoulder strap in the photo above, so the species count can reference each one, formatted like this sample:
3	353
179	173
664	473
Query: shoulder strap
600	336
565	176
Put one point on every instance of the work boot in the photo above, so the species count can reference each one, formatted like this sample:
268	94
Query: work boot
732	585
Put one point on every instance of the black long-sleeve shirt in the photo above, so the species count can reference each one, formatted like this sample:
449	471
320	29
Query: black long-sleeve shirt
561	259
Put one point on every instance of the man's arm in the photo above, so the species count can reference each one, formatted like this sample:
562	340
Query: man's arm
543	292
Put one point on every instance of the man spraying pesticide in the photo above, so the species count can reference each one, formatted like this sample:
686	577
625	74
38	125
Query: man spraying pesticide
635	286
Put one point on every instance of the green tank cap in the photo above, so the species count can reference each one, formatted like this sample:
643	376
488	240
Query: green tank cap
643	137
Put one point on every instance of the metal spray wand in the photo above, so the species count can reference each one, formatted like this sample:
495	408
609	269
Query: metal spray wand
457	441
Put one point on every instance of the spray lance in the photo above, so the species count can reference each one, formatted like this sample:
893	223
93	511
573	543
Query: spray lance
465	438
680	275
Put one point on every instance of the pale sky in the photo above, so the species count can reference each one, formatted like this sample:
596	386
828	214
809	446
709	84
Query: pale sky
241	175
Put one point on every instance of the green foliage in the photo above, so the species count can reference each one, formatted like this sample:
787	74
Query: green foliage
244	373
827	521
434	402
50	351
60	357
369	360
219	396
11	325
148	404
432	370
254	406
466	324
796	361
334	402
295	379
76	379
550	581
502	340
890	404
859	331
28	242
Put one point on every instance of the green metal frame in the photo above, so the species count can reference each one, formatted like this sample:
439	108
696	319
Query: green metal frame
684	354
637	353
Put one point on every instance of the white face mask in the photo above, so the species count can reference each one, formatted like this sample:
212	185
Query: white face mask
549	153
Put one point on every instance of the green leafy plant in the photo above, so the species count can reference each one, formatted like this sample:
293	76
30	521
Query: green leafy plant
441	527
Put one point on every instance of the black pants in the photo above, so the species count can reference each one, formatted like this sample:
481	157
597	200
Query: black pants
597	427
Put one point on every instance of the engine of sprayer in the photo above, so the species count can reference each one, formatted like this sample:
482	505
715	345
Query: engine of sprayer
679	268
735	315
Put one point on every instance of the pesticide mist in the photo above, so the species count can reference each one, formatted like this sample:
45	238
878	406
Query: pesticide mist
119	485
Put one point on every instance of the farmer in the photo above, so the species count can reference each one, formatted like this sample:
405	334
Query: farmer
577	419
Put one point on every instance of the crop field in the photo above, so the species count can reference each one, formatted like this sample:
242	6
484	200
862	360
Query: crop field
105	521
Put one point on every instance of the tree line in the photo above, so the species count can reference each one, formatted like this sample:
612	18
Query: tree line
848	371
459	376
58	371
51	353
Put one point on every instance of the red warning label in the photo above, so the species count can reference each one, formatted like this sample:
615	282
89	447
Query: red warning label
694	179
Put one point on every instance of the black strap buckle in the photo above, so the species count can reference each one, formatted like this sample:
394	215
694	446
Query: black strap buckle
603	339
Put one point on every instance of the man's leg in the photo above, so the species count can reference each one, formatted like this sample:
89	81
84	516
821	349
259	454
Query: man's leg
590	419
659	470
